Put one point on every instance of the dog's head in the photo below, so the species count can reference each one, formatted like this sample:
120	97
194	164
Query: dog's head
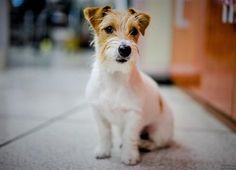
116	35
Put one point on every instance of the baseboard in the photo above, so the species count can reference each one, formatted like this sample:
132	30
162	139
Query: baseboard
162	79
221	116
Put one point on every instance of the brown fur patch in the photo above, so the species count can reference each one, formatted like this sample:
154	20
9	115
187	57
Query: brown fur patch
132	11
161	105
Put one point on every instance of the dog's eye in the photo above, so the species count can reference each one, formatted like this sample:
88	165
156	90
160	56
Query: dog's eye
133	31
109	30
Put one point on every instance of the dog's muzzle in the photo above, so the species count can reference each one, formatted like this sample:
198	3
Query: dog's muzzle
124	53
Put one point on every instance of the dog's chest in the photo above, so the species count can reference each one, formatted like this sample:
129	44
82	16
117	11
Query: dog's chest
113	97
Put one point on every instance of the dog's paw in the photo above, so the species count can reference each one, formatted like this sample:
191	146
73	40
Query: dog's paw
102	153
130	157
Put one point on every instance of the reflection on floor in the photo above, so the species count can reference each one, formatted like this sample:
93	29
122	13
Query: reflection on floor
46	124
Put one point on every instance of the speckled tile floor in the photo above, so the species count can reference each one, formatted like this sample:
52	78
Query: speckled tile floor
46	124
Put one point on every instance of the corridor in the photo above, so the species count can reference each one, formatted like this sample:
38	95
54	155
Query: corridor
45	123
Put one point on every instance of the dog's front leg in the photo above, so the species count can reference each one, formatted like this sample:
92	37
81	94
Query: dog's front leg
103	150
133	125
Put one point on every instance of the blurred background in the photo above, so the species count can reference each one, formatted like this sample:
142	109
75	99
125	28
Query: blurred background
191	43
45	60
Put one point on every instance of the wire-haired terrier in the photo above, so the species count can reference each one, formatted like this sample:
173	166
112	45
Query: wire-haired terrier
118	92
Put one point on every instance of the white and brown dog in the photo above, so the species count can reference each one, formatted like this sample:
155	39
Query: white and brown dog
119	93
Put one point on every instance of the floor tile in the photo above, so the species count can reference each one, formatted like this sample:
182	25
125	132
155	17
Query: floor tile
40	94
189	114
70	146
10	128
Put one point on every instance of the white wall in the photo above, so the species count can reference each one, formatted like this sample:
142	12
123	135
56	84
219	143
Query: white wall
156	45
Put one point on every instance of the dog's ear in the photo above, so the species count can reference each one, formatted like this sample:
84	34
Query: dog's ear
94	15
142	18
132	11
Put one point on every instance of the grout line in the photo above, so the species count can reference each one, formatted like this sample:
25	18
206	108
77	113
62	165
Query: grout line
43	125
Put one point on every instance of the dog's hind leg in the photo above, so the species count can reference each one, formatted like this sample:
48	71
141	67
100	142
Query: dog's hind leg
146	145
162	131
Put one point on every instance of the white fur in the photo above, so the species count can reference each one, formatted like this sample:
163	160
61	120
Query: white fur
121	95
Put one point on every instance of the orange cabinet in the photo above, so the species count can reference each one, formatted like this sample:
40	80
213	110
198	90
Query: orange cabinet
213	55
234	98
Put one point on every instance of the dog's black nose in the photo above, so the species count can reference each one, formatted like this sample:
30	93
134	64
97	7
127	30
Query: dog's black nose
124	50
